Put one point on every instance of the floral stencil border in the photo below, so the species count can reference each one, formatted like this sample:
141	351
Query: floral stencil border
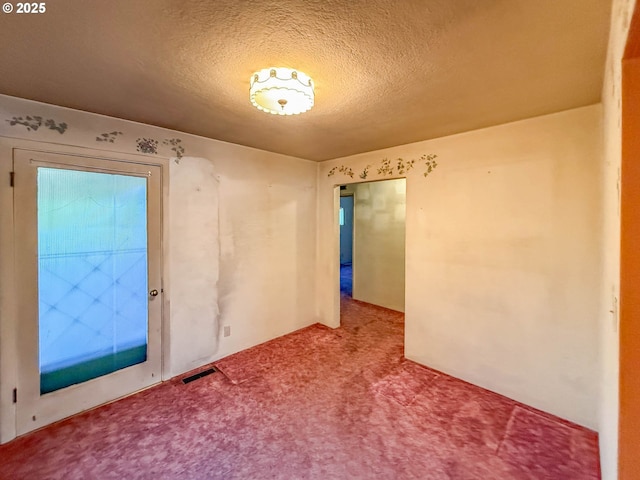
387	167
147	145
108	137
34	122
176	146
150	145
341	169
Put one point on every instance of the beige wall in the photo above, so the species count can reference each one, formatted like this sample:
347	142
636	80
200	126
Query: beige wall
238	219
379	225
503	257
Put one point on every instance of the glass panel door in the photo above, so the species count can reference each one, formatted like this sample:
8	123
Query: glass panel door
92	274
89	262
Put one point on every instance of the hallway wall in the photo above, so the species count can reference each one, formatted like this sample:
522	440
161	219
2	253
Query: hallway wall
378	264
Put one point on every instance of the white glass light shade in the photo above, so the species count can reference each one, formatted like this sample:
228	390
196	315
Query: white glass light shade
281	91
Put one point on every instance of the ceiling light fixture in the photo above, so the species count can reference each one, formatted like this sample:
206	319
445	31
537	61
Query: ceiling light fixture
281	91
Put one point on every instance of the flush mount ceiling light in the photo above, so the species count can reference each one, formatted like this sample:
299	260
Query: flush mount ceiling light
281	91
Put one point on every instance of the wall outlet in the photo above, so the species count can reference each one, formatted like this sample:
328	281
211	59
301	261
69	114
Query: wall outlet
227	331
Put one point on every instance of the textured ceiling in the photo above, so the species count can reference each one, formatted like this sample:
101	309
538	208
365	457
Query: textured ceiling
386	72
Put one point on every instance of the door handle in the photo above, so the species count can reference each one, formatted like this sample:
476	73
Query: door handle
153	293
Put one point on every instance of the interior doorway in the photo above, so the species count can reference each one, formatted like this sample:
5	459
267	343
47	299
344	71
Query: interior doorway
346	243
372	242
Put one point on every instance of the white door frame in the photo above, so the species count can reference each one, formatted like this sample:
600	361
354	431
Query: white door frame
8	304
335	243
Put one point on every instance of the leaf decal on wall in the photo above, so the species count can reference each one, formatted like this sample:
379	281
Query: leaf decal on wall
108	137
147	145
342	169
404	167
34	122
385	167
176	146
365	172
430	163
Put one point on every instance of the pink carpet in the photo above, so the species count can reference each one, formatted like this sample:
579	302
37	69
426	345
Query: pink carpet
315	404
404	383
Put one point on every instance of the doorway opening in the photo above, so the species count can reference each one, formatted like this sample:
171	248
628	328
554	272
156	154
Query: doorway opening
346	242
372	242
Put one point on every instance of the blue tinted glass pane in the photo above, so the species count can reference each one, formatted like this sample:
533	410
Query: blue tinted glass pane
92	275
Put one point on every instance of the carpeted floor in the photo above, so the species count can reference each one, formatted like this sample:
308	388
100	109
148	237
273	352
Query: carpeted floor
315	404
